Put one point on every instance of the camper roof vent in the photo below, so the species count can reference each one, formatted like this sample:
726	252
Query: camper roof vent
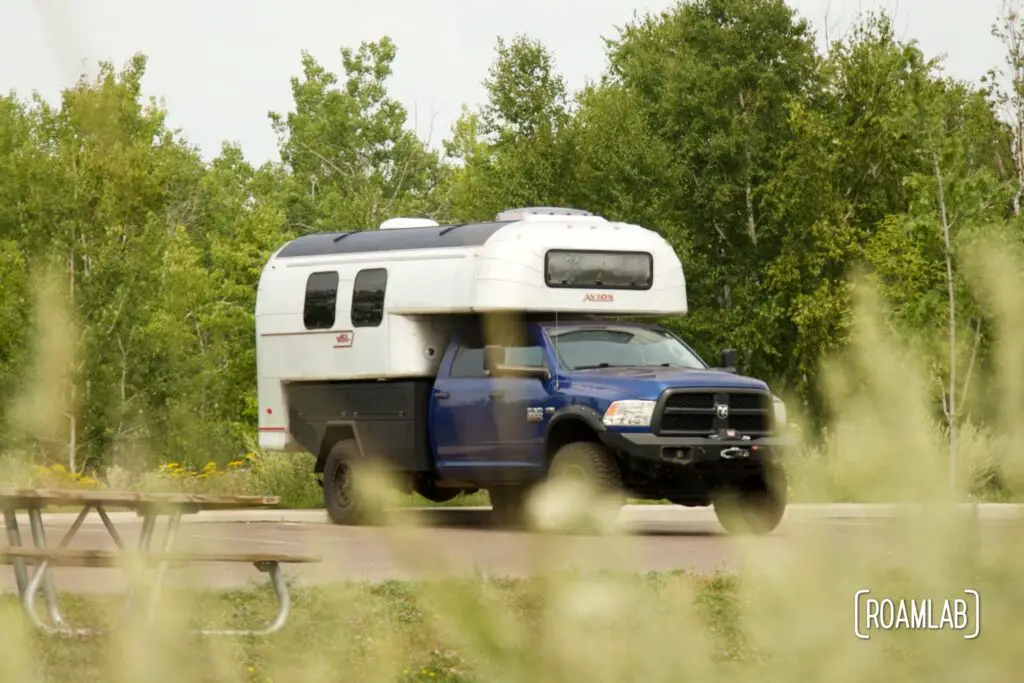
519	214
393	223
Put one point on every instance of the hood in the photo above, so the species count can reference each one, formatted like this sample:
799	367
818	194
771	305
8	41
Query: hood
648	383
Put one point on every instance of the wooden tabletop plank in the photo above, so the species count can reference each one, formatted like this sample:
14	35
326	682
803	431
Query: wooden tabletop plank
73	557
23	498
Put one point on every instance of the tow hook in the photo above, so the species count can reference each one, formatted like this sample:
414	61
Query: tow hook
734	452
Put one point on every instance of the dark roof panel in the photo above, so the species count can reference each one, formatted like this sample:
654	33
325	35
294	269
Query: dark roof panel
394	239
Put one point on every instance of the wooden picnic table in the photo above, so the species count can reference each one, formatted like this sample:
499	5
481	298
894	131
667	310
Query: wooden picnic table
148	506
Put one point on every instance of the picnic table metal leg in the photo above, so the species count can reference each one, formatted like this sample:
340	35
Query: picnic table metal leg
145	540
28	598
173	522
110	527
35	518
148	525
14	540
283	602
29	604
41	577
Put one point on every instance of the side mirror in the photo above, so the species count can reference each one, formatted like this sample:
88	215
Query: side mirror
729	360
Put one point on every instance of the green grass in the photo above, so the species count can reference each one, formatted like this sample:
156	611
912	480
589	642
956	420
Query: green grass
560	627
345	628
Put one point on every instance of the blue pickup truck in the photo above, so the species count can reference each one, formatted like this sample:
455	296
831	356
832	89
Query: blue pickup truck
496	356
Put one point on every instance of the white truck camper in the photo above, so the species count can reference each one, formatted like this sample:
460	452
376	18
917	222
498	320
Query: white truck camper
369	345
381	304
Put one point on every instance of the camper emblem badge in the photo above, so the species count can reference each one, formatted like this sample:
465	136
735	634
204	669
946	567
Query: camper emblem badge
722	411
343	340
598	297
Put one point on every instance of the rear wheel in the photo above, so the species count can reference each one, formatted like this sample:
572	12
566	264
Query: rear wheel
345	495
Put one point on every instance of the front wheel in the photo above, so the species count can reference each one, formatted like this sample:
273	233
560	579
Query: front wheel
593	472
756	509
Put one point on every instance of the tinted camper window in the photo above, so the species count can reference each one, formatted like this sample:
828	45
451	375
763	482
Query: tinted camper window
598	269
321	301
368	297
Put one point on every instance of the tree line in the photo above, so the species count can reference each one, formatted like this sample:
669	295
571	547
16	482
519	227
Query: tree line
777	172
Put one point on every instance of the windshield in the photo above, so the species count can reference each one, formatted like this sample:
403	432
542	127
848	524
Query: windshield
586	348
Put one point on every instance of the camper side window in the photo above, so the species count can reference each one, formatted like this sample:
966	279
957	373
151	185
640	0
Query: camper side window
321	301
368	297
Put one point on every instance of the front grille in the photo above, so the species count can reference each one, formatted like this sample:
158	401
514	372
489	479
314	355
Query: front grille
695	412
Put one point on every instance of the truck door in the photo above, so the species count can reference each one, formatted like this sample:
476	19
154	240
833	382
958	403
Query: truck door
463	422
520	406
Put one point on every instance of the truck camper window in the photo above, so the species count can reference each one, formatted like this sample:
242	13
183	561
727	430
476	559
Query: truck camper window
368	297
321	301
579	269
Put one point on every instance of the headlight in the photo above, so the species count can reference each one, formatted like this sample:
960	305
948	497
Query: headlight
780	412
629	414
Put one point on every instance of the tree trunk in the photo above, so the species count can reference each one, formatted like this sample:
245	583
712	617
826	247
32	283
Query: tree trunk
952	412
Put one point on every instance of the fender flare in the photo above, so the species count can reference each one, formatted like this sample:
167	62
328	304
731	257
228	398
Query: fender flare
584	414
335	431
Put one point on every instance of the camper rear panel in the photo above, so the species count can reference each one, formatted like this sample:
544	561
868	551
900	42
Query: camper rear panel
390	418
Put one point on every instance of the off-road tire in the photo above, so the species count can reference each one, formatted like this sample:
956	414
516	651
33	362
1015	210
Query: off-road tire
339	481
592	462
597	468
753	509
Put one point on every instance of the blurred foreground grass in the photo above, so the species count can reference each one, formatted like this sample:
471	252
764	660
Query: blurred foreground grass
362	632
787	617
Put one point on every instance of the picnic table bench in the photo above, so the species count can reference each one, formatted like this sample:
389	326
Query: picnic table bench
148	506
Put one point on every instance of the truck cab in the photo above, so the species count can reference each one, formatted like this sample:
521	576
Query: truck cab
627	404
502	355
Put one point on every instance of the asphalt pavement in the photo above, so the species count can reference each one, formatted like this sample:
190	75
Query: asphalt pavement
462	541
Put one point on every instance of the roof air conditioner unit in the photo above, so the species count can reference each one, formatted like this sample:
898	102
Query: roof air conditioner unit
520	213
396	223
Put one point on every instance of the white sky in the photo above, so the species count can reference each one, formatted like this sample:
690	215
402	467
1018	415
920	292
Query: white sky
221	65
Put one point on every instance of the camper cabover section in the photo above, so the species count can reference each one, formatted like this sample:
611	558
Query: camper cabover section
587	265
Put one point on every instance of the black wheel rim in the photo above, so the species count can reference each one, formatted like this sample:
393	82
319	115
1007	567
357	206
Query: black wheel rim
341	484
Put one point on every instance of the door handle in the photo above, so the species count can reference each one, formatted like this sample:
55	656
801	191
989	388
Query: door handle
497	393
441	394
